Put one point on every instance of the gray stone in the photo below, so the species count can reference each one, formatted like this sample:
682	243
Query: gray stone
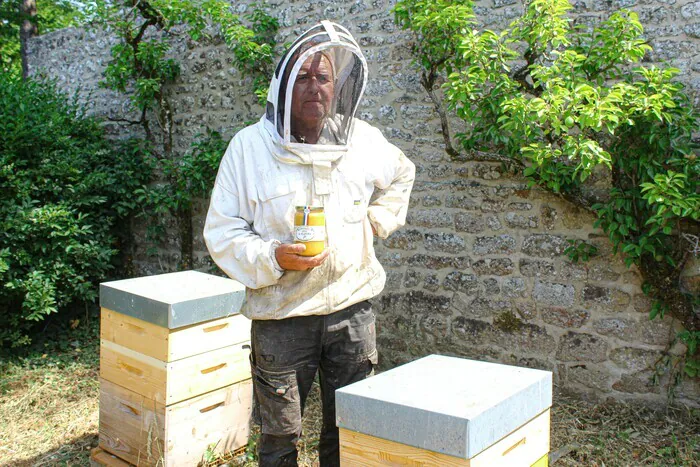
517	221
634	359
691	10
493	223
429	218
579	347
553	294
492	205
549	217
494	266
491	286
487	171
565	317
544	245
637	383
471	332
602	270
501	244
449	243
527	339
396	133
572	271
469	222
536	268
500	3
621	328
655	332
414	303
526	310
391	259
693	30
393	280
461	282
514	287
431	282
412	278
439	171
467	202
519	206
431	201
589	376
606	298
439	262
405	239
597	295
387	115
378	87
435	325
642	303
482	307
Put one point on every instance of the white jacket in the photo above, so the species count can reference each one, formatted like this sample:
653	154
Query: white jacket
253	204
360	179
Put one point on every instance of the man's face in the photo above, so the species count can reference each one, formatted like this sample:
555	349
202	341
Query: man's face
313	91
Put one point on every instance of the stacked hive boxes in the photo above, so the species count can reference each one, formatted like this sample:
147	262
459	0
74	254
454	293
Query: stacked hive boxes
174	370
446	411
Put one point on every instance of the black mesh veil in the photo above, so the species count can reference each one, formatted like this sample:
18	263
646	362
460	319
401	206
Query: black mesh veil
294	95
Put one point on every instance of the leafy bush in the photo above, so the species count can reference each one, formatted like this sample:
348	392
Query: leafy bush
64	193
565	103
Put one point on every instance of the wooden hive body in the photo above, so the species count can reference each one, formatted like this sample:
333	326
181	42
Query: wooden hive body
167	393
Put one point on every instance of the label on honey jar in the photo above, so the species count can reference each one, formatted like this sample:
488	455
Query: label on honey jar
309	233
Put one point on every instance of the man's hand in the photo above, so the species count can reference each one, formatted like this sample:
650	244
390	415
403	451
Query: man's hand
288	257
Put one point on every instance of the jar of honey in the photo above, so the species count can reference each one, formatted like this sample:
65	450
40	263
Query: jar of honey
310	229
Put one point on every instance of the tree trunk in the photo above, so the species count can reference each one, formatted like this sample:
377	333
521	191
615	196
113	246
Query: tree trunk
28	30
184	221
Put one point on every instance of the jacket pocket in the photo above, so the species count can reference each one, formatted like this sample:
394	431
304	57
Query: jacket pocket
277	396
277	201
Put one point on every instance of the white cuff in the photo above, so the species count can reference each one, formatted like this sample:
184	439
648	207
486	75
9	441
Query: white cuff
273	256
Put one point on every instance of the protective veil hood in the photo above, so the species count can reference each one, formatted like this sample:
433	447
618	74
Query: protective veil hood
348	69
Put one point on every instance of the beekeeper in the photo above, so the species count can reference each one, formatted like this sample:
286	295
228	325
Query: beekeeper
310	313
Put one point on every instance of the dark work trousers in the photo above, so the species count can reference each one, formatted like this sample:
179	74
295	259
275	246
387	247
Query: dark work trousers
286	355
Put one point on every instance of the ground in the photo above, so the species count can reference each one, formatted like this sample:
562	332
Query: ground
49	414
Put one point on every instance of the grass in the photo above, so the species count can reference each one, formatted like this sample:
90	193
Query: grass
49	396
49	414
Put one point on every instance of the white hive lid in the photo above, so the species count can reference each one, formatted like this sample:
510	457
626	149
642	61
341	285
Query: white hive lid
450	405
174	300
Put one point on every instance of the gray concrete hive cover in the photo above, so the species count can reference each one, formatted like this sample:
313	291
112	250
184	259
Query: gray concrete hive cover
174	300
450	405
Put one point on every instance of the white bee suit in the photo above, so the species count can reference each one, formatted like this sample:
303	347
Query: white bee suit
359	178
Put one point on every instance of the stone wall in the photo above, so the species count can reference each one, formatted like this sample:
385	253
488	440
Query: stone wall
479	270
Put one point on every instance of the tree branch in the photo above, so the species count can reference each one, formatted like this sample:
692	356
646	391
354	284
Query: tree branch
428	82
520	75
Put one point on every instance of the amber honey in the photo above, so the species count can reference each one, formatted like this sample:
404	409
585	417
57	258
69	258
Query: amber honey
310	229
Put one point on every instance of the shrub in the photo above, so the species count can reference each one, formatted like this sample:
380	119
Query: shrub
65	192
565	103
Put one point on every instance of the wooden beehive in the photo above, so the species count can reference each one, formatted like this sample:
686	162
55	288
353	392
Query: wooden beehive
446	411
174	369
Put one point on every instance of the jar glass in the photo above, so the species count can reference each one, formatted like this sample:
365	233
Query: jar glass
310	229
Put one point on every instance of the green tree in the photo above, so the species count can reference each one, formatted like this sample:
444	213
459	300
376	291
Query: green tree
563	103
142	67
51	16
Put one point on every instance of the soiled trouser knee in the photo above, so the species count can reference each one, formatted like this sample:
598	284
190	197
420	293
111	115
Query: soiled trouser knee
286	355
